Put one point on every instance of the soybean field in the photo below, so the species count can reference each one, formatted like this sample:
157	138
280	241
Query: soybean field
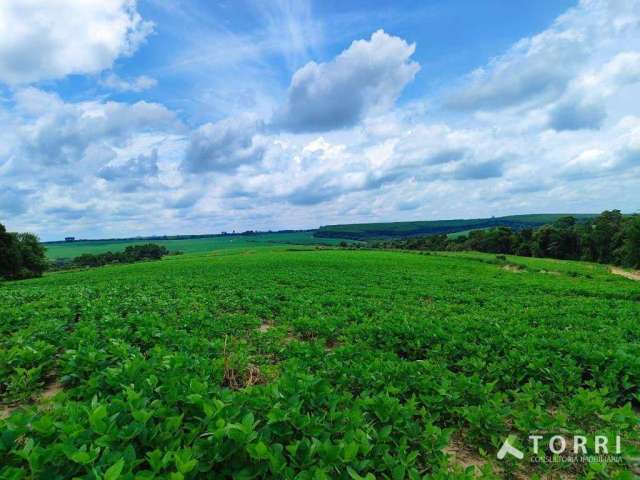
308	363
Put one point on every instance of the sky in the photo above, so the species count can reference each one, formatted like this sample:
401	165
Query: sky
121	118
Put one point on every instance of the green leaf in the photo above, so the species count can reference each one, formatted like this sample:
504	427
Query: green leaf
114	471
155	460
81	457
98	414
141	416
184	462
350	451
259	451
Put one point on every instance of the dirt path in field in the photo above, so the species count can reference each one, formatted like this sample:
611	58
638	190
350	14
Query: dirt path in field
49	392
631	275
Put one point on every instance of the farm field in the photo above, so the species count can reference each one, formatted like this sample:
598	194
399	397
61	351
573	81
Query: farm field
296	362
189	245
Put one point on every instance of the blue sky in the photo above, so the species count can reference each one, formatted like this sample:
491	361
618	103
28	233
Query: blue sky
152	117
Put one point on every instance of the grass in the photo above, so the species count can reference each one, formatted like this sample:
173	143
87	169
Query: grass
191	245
315	363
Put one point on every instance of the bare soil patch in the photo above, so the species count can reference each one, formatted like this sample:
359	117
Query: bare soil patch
265	327
464	457
50	391
5	410
630	274
549	272
513	268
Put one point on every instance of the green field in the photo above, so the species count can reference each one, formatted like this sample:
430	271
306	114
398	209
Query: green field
460	233
294	362
364	231
190	245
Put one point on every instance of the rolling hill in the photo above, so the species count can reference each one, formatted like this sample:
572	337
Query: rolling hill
369	231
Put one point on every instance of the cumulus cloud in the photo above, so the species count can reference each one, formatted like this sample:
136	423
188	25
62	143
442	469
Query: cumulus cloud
619	155
478	171
140	166
432	145
225	145
49	40
368	75
583	106
540	68
537	67
318	190
427	153
328	186
55	132
576	114
66	157
183	201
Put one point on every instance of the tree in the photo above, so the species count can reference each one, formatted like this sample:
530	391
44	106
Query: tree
606	236
10	259
33	254
21	255
632	242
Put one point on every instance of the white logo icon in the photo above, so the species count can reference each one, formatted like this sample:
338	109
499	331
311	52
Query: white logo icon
510	449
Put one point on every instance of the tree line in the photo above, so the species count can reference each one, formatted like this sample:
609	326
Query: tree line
608	238
131	254
21	255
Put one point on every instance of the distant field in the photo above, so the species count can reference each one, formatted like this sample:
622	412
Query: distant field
363	231
460	233
191	245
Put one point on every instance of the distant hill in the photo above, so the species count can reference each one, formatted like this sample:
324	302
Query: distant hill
370	231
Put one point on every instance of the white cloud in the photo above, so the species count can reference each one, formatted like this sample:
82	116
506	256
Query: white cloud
132	174
49	40
576	114
539	69
367	76
55	132
225	145
137	84
85	161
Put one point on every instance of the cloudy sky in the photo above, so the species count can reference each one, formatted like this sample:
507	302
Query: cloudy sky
123	118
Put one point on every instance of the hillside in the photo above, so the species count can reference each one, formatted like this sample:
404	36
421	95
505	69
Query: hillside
368	231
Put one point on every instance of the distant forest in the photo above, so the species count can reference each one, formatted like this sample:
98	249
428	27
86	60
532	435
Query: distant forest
607	238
